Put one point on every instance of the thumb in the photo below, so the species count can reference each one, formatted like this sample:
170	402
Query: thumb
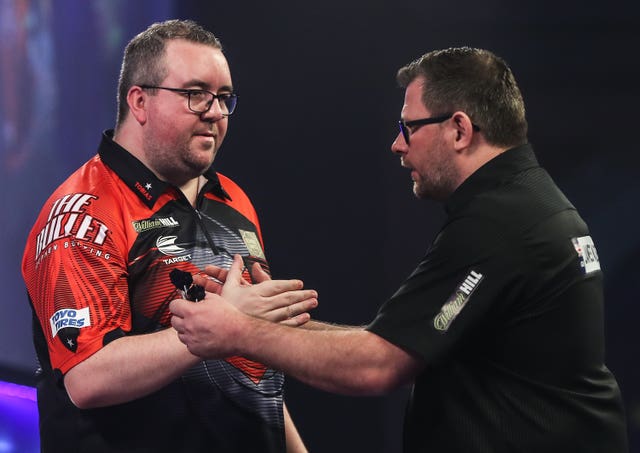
234	276
178	308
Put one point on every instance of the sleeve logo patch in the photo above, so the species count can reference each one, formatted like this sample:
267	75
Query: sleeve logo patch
587	254
454	305
68	317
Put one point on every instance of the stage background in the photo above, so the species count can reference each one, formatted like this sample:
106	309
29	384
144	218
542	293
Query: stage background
310	144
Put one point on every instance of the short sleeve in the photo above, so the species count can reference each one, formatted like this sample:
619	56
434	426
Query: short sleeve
455	290
74	267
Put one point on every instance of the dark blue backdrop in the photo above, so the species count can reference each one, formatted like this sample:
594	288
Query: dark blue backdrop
310	144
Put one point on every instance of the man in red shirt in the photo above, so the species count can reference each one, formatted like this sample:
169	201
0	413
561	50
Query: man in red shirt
97	265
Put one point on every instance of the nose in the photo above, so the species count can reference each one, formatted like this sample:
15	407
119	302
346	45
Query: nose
399	145
215	113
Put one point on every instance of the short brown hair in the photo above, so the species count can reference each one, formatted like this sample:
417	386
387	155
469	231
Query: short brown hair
143	57
477	82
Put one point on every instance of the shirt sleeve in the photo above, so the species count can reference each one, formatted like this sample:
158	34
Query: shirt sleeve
75	270
458	288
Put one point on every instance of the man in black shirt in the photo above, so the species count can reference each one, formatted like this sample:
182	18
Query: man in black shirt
500	326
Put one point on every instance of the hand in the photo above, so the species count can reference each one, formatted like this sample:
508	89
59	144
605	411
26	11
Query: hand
205	327
213	279
281	301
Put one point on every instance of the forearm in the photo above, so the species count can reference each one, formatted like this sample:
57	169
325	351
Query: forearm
322	325
128	368
338	359
343	360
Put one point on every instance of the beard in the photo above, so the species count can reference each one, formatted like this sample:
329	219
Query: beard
180	160
440	178
436	186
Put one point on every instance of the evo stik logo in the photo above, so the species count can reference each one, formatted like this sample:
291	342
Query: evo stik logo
457	301
68	218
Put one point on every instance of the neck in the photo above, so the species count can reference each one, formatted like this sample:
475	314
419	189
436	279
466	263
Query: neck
191	188
130	139
475	157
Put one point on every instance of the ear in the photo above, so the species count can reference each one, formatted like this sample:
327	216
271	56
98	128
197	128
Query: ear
464	130
137	100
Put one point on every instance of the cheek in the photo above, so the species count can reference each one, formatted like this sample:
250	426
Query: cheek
424	163
166	127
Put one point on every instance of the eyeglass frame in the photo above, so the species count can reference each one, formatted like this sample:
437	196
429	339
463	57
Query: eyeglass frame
405	125
189	92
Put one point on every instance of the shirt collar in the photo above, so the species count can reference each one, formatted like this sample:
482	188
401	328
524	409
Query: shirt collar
492	174
139	178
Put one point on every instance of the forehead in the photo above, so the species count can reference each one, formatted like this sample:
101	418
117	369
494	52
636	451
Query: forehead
413	105
187	61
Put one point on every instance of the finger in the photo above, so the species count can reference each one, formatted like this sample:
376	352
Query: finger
258	274
178	307
210	284
291	311
279	287
216	272
304	306
183	338
234	276
293	297
301	307
298	320
177	323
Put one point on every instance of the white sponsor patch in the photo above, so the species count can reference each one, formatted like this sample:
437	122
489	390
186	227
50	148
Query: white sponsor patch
68	317
253	243
454	305
586	250
167	245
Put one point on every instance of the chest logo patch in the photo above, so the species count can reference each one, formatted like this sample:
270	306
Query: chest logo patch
456	302
149	224
587	254
167	245
253	244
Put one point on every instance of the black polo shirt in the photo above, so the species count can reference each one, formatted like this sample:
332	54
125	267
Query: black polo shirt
506	309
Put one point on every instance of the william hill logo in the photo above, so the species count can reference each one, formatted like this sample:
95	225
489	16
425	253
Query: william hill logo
454	305
150	224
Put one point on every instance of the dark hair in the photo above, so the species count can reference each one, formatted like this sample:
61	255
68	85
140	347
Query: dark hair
477	82
143	61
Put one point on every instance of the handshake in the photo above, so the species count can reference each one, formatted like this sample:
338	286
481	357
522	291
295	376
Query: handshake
227	301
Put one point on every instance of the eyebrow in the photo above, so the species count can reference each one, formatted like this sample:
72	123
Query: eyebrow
205	86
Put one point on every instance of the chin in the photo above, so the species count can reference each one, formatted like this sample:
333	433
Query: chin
428	193
419	191
204	157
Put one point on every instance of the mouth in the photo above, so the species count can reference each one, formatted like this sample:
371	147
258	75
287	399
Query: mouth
207	136
412	171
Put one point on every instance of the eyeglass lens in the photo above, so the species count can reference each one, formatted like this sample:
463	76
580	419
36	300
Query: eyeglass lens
404	132
201	101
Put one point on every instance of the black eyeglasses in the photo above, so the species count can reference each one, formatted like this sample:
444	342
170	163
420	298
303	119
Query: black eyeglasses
406	125
200	101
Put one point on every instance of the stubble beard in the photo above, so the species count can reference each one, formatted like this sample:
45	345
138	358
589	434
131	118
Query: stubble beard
180	163
433	188
439	182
